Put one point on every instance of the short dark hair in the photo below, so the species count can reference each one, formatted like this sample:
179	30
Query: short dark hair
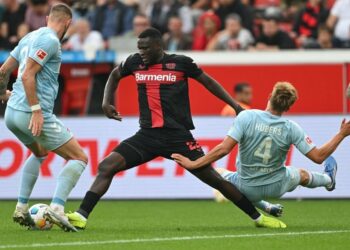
239	87
151	33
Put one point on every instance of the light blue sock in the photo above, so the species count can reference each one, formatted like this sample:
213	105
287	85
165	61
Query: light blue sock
263	205
30	174
67	179
318	180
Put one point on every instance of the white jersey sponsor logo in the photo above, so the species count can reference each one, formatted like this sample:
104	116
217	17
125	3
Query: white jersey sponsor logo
155	77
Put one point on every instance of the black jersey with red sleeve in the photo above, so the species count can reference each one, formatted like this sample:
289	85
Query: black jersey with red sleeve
163	90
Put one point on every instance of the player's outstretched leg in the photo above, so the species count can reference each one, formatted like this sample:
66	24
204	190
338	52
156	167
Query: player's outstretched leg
111	165
67	179
29	176
209	176
315	179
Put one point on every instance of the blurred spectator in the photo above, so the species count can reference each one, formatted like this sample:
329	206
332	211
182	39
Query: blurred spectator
175	39
339	20
198	7
233	37
128	41
36	13
207	27
13	17
243	95
324	39
272	38
308	20
82	8
112	18
160	12
227	7
84	38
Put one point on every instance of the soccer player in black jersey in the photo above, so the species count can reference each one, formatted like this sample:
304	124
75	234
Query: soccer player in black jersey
165	121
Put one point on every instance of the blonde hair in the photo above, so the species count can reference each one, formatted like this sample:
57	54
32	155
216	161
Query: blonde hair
283	96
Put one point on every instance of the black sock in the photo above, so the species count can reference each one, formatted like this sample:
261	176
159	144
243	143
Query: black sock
88	204
245	205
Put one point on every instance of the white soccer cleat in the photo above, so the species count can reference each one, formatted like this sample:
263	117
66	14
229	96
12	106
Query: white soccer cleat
59	219
21	216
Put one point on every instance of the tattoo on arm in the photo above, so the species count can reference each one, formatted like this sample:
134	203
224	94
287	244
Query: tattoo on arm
4	79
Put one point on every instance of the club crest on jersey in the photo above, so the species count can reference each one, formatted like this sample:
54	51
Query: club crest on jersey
41	54
170	65
308	140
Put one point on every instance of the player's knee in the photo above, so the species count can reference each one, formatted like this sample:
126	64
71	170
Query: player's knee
304	177
106	169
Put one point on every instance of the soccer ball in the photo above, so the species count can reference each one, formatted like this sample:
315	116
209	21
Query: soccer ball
37	213
218	197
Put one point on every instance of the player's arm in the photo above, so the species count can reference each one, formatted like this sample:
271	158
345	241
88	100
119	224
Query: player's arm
348	91
219	151
216	89
318	155
5	71
29	84
109	94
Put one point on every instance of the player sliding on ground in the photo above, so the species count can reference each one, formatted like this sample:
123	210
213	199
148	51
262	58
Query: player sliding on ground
29	114
165	121
264	138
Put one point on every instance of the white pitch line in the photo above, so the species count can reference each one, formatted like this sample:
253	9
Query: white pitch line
182	238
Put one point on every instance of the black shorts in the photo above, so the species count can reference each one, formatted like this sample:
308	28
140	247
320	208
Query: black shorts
150	143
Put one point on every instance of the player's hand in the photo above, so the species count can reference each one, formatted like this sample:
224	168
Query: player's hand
111	112
4	98
184	161
36	122
345	128
348	92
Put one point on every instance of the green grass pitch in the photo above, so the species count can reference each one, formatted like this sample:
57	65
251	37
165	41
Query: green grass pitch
312	224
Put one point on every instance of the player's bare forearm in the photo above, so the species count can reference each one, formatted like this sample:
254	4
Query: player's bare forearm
318	155
216	89
213	155
5	72
111	86
29	84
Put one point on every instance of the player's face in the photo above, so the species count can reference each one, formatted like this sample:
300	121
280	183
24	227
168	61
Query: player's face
149	50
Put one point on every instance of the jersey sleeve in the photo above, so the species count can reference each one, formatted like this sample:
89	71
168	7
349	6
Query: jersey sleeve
191	68
43	49
15	53
236	131
124	67
301	140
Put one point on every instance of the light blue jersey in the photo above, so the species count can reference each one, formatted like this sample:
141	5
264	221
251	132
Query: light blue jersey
264	141
44	47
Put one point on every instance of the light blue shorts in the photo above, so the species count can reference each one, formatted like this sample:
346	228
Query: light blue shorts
53	135
275	190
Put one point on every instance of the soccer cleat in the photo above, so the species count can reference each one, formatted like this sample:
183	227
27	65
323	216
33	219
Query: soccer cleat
275	210
77	220
22	217
330	169
269	222
59	220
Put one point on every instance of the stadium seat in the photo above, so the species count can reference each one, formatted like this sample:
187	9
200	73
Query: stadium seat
75	96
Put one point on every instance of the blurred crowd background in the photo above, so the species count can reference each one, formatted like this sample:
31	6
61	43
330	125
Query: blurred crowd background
188	24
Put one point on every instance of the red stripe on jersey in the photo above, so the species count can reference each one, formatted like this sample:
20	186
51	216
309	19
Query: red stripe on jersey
155	105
